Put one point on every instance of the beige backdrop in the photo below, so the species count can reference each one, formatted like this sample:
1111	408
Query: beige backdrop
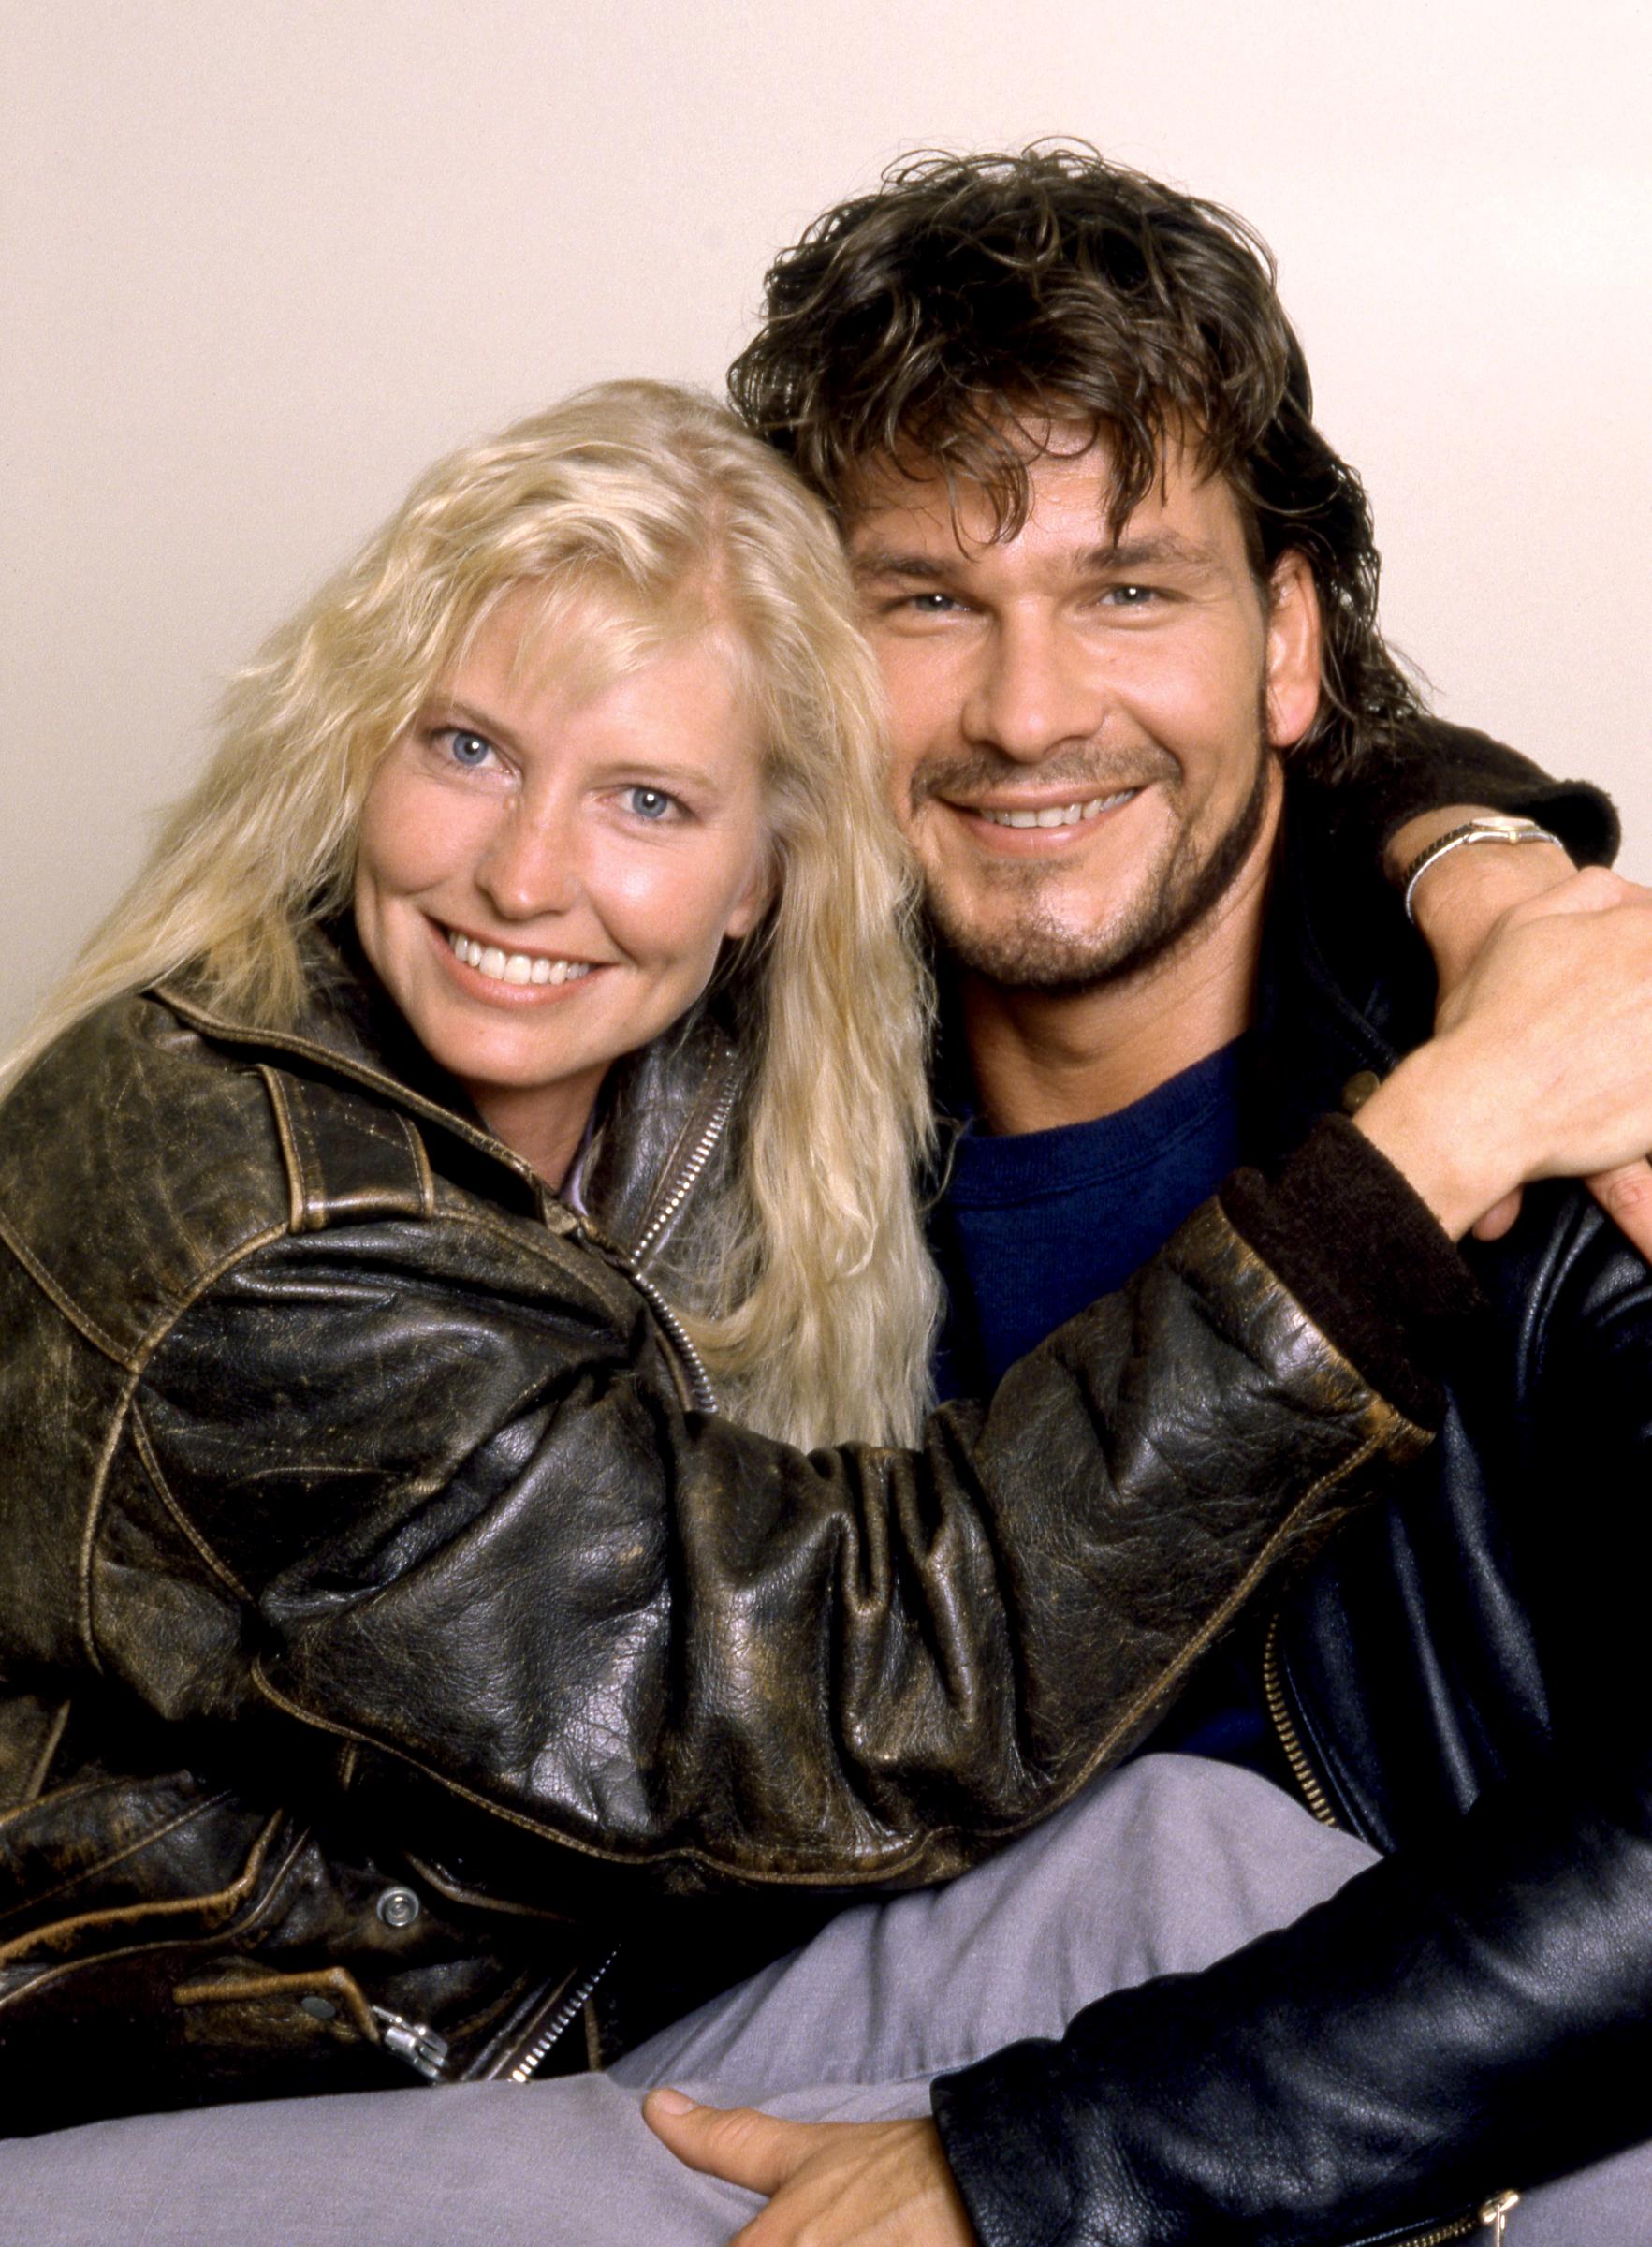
262	259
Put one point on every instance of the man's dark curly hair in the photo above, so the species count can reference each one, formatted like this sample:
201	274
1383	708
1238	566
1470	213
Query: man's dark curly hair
946	320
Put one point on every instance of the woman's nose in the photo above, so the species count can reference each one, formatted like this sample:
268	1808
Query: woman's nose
529	866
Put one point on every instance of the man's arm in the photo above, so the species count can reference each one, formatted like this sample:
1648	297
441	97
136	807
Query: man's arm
1453	2023
1427	769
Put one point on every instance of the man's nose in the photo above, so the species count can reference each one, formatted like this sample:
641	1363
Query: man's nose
530	863
1035	691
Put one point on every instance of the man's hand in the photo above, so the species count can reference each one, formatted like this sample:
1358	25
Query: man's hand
1460	900
830	2184
1541	1066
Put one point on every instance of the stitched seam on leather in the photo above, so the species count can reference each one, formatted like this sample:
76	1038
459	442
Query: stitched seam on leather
838	1875
67	1793
250	1988
95	1505
883	1867
80	1320
81	1872
1241	1592
220	1902
310	1183
35	1785
146	1350
289	1152
421	1164
356	1072
1215	1213
163	1490
539	1249
204	1284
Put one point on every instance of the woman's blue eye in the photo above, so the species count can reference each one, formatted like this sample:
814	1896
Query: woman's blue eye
470	749
650	803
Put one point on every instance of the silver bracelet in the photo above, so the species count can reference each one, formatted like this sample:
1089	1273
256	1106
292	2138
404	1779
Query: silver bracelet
1496	827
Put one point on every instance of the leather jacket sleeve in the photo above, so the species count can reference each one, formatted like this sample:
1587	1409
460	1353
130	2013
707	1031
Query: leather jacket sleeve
1453	2023
471	1532
1425	763
1470	2016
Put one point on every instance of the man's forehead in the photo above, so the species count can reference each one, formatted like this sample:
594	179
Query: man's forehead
909	512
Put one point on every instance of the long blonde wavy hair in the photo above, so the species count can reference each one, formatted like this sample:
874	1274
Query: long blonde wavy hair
649	503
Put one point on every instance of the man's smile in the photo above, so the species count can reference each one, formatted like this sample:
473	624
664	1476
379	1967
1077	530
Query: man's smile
1024	823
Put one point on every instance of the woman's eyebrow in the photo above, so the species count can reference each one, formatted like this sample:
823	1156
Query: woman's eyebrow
452	710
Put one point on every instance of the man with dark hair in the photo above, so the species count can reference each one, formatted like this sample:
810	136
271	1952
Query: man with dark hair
1122	587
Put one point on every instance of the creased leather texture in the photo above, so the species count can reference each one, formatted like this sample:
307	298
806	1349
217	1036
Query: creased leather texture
1464	1670
357	1537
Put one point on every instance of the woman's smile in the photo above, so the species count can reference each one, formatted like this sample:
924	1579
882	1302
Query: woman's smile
512	974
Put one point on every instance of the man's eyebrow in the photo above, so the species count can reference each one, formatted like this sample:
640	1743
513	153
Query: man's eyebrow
1153	550
896	561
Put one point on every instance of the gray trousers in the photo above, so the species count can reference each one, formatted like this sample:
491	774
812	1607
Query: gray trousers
1159	1868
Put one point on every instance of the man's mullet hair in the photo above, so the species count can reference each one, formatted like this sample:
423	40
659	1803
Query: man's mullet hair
944	324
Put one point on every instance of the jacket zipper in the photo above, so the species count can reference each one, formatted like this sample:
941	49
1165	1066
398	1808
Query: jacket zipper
1273	1689
534	2052
701	1155
1490	2215
705	1396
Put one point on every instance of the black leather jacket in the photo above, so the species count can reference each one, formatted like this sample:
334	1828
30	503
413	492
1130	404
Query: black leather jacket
1456	1680
390	1628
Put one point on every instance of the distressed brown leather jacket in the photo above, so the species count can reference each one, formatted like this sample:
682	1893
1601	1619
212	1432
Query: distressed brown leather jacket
391	1628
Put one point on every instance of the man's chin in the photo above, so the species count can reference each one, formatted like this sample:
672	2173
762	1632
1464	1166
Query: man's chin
1017	944
1040	957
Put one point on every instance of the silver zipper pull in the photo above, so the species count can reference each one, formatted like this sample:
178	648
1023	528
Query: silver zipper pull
1494	2213
424	2051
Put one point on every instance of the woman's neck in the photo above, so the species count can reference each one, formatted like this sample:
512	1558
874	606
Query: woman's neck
543	1123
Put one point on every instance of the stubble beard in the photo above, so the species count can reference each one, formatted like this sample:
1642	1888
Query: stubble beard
1036	951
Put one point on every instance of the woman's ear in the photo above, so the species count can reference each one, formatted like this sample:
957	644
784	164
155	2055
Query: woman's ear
761	888
1294	642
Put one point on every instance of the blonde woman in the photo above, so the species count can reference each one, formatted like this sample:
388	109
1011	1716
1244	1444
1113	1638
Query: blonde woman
465	1176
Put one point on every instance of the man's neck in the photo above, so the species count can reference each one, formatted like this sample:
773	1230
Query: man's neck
1042	1059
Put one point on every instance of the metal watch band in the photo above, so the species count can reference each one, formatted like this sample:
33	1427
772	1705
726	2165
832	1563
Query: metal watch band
1494	827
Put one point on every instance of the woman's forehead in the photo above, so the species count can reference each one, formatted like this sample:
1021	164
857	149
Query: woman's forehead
580	636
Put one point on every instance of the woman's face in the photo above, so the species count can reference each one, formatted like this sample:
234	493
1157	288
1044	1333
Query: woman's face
547	869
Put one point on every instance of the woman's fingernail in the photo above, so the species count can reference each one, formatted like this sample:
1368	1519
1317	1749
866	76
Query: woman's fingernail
672	2102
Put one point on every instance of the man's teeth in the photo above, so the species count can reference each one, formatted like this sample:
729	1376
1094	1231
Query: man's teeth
1060	815
514	967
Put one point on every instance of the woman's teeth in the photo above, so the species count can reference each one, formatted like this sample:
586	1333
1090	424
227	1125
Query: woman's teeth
514	967
1060	815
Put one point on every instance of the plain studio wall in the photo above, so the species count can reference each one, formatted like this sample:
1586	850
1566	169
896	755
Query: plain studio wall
262	261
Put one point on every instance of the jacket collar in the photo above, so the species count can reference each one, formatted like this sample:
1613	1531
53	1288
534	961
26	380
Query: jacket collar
655	1104
1345	984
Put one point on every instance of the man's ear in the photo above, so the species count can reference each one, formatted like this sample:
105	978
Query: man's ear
1294	630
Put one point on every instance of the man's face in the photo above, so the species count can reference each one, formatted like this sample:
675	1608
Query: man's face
1081	724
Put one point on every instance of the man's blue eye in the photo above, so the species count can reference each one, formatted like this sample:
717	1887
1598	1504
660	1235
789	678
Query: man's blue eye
471	749
650	803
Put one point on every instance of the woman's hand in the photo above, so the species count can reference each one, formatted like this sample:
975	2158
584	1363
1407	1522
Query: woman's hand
1540	1066
1458	906
829	2184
